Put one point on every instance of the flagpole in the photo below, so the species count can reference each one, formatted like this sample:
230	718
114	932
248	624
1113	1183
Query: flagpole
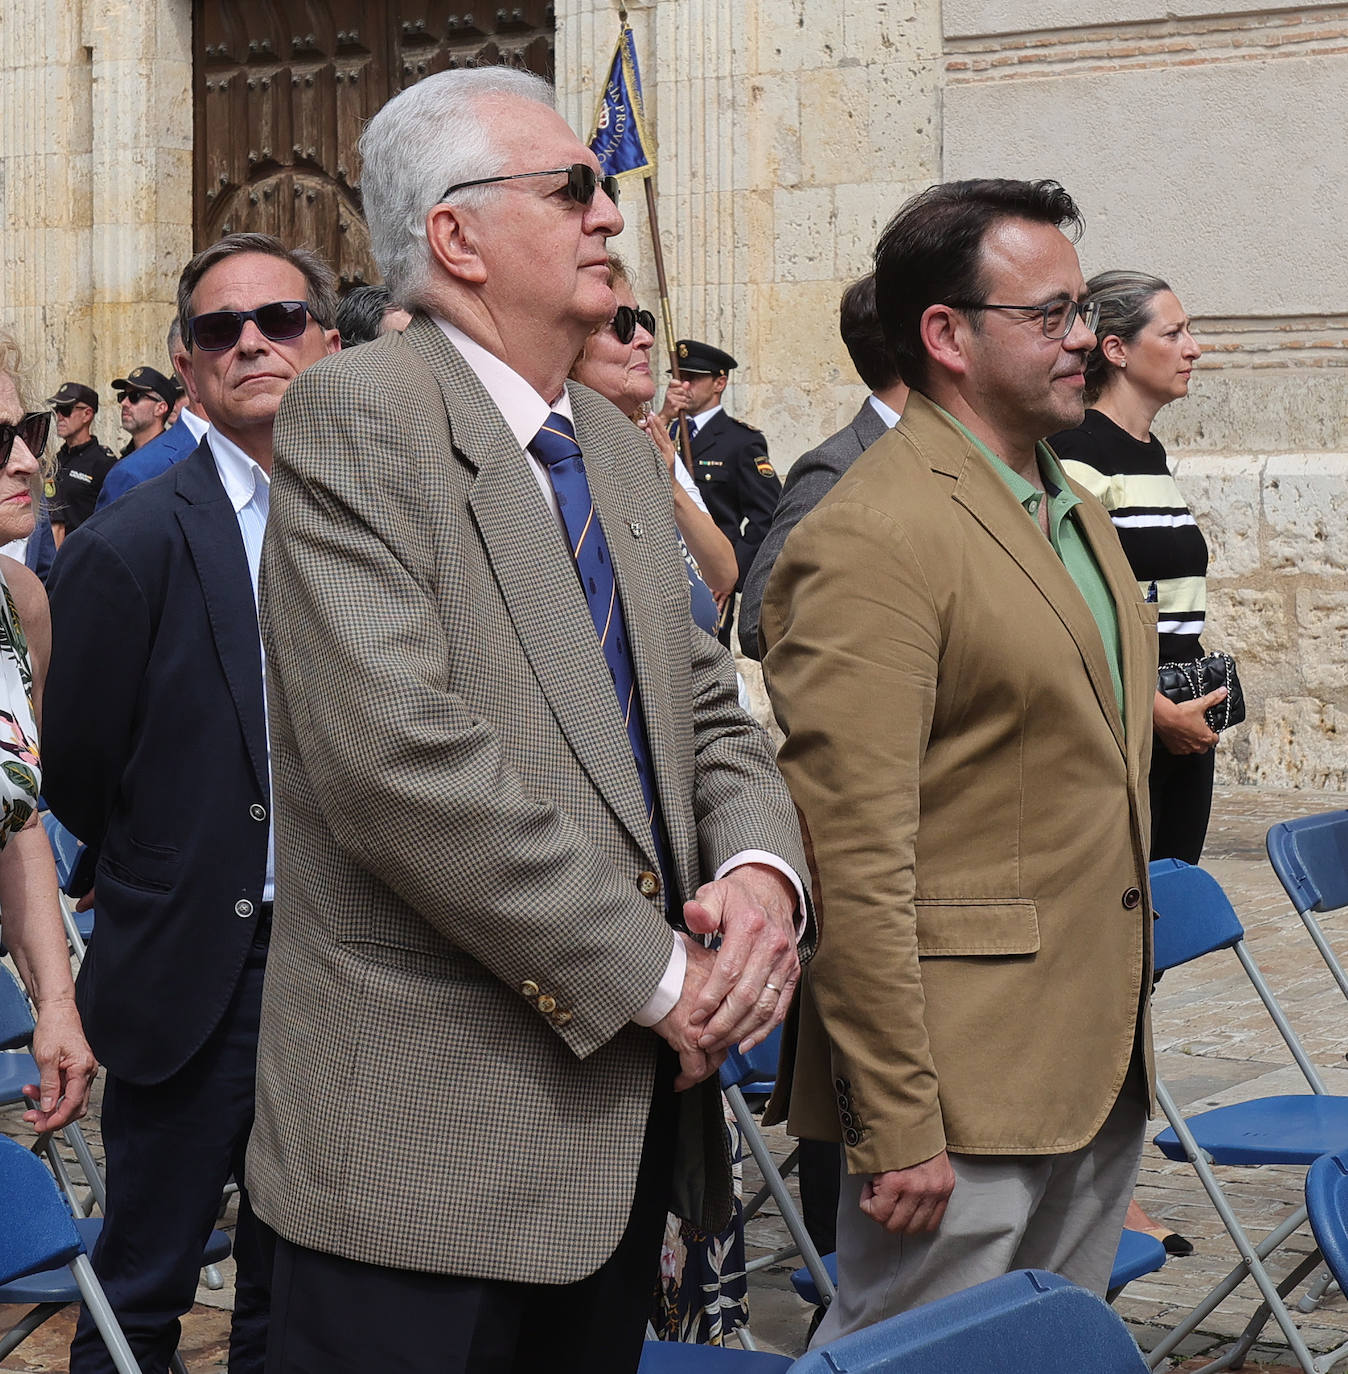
685	440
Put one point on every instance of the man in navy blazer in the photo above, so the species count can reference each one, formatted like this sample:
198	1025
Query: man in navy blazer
155	754
170	447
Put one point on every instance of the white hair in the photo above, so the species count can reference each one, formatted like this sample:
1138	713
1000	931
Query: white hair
429	137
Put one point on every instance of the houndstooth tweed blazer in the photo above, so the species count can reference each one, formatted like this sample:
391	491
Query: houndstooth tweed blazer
448	1076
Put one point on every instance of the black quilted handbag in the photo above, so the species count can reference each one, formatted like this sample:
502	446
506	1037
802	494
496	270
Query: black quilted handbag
1183	682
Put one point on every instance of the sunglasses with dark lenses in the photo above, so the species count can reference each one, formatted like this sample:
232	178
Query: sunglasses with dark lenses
220	329
625	321
65	411
581	180
32	429
133	396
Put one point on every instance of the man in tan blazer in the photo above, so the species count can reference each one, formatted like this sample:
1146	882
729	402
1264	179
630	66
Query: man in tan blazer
481	996
957	652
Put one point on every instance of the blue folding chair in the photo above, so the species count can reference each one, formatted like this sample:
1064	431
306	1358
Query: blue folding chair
42	1255
1310	857
1138	1254
755	1073
18	1068
1027	1322
1195	918
66	850
1327	1205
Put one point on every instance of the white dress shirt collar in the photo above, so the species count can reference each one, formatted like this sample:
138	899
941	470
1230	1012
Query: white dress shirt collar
887	413
703	416
521	407
196	426
241	477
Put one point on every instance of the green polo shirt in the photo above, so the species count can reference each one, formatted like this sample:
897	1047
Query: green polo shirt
1069	543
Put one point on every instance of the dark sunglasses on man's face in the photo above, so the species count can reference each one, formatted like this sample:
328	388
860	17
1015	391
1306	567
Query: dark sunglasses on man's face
65	411
581	180
279	321
32	429
625	321
134	397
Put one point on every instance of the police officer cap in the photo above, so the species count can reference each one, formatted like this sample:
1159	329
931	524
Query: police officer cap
699	357
74	394
147	379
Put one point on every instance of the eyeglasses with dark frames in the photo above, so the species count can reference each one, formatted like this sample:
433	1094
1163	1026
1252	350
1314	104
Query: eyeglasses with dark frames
1058	316
135	397
32	429
581	181
278	321
625	321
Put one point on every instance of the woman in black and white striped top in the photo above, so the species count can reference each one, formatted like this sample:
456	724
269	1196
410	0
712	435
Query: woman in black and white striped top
1142	362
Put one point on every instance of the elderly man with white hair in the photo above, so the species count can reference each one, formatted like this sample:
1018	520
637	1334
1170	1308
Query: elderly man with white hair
514	790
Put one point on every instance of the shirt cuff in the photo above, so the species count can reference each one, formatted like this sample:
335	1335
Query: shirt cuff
670	988
661	1001
760	856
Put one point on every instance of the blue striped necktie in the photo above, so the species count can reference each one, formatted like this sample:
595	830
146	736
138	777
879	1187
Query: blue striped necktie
555	447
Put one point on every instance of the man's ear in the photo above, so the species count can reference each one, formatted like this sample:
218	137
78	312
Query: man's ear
161	410
944	332
183	364
453	243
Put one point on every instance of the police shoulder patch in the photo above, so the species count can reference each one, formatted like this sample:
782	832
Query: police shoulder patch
765	468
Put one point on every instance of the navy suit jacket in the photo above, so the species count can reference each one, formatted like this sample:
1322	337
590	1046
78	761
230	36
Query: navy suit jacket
160	454
154	753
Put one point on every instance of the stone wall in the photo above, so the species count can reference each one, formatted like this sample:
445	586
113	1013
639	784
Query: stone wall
1200	145
95	185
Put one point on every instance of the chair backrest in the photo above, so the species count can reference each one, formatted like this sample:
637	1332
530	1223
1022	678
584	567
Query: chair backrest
758	1066
16	1016
1310	857
1327	1204
65	847
1027	1320
1193	915
36	1231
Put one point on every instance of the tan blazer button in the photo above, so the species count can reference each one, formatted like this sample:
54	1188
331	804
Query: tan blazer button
547	1004
1132	898
852	1137
529	988
648	884
560	1018
243	907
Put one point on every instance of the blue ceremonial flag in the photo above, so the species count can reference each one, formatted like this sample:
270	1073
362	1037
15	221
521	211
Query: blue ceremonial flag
619	140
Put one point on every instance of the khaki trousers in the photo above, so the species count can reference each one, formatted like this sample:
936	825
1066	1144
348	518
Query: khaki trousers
1063	1213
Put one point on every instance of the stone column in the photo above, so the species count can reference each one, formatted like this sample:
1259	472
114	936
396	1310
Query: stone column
788	131
96	189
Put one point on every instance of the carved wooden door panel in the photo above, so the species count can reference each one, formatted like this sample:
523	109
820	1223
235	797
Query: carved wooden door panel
282	89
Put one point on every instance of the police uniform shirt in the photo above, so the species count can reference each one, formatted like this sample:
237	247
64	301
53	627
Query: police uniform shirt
737	481
79	478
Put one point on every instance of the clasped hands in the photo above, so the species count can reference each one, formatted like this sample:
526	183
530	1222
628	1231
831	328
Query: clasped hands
737	994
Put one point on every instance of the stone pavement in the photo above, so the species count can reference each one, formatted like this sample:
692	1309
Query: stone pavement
1214	1045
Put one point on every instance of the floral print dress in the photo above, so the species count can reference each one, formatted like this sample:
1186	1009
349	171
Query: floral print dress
20	770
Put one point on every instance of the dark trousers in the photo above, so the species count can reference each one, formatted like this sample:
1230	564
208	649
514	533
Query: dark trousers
336	1316
1181	802
818	1173
170	1150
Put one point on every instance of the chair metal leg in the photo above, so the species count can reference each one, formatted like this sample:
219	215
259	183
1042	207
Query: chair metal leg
74	1137
73	936
764	1193
773	1178
745	1339
1326	953
1315	1294
1252	1255
101	1311
27	1324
